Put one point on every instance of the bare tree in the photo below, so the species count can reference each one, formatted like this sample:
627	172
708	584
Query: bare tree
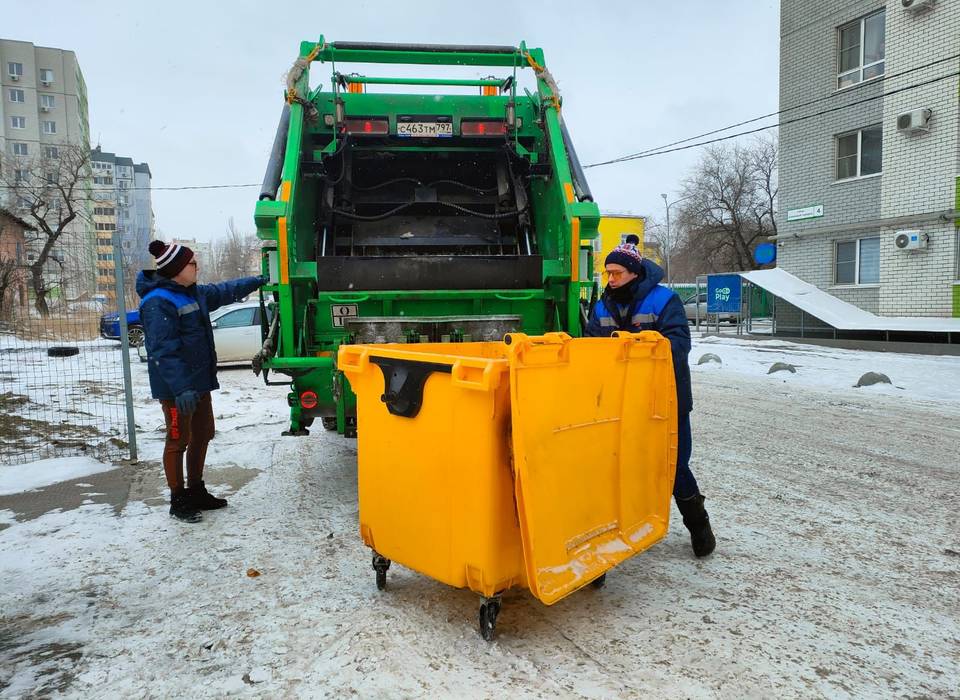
730	207
234	255
51	192
9	269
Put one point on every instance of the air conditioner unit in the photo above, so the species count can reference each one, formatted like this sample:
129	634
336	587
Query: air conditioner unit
915	120
914	5
14	76
44	108
910	240
46	83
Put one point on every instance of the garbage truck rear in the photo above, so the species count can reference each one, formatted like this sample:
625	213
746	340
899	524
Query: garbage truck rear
416	209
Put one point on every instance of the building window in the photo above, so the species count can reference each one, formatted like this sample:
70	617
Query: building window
47	101
104	211
15	70
18	122
17	95
49	127
19	176
51	152
46	76
103	181
857	262
101	226
860	153
20	149
861	48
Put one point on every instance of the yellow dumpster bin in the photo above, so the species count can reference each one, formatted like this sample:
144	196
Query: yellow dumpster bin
539	462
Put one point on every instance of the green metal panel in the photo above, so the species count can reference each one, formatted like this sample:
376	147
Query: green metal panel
956	301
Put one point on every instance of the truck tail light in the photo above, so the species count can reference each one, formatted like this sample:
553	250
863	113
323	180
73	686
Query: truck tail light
366	127
486	127
308	399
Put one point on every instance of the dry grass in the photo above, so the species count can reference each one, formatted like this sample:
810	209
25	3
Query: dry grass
76	325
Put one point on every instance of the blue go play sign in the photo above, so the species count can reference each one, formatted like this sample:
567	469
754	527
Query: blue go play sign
723	294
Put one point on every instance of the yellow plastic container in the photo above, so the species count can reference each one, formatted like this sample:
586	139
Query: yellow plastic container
539	461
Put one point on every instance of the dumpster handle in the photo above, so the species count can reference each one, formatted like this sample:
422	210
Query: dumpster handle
514	297
352	359
461	371
403	382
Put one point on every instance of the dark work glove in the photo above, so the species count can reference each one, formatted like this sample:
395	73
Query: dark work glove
263	280
187	402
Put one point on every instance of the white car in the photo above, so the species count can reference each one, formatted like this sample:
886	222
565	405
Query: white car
236	333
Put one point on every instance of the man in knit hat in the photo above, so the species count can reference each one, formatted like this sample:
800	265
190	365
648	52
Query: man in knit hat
634	300
175	312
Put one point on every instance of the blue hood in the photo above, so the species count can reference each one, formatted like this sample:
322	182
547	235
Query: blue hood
148	280
651	277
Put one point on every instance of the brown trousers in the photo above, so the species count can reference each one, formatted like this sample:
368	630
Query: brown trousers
189	434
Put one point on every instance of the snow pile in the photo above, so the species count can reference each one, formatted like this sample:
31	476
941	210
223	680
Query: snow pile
914	377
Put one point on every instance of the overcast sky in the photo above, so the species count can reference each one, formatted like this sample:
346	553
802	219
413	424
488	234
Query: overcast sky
195	88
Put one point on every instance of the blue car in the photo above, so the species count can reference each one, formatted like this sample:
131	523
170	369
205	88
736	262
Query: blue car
110	327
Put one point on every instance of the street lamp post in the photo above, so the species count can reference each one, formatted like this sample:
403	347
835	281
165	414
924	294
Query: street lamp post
667	239
668	242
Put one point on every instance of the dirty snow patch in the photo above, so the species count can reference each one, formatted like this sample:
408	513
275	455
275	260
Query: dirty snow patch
17	478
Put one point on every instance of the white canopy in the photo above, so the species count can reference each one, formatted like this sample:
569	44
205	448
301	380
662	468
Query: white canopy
838	313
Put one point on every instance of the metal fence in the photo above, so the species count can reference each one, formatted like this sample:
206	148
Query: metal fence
64	389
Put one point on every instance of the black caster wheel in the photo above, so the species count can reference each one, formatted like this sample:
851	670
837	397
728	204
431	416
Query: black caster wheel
600	581
380	565
329	422
489	610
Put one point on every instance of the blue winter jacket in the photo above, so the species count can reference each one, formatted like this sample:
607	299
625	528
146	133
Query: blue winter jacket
654	308
179	337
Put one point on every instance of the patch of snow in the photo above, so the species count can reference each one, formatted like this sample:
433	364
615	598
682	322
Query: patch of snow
916	377
17	478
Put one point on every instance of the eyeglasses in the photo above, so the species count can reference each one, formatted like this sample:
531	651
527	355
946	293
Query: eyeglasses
615	274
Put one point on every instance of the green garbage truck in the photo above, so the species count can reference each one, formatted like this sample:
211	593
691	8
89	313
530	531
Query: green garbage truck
426	208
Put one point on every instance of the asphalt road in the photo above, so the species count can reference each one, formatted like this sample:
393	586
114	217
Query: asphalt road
836	574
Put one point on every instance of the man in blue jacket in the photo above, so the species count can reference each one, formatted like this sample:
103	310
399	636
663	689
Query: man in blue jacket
175	312
634	300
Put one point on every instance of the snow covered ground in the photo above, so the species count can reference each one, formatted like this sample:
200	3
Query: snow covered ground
837	571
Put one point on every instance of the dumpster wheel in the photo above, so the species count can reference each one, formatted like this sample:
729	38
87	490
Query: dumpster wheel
380	565
599	581
489	610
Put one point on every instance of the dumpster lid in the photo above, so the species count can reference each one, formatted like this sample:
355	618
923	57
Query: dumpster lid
594	453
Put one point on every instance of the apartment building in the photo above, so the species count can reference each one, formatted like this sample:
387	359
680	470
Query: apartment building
122	204
43	109
869	182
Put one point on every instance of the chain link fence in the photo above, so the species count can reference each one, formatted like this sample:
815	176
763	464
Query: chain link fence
64	386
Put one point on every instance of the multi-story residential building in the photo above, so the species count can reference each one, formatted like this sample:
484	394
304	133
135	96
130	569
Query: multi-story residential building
43	109
122	203
870	186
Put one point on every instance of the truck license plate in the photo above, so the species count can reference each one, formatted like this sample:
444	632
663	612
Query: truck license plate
425	129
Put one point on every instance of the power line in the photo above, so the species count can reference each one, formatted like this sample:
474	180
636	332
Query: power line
666	148
800	106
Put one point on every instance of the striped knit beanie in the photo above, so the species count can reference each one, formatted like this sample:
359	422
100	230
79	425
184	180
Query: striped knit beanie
628	256
170	259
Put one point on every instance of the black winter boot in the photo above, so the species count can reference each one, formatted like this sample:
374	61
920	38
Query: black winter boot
183	509
697	521
203	499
